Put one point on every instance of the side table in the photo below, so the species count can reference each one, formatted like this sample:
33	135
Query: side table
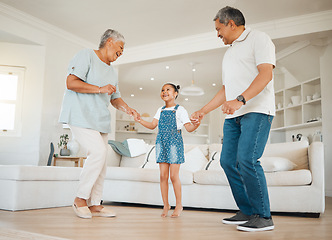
78	160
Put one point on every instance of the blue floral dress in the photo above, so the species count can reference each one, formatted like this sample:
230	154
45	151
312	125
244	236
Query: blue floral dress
169	142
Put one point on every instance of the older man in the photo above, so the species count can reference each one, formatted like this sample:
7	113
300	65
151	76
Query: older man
247	97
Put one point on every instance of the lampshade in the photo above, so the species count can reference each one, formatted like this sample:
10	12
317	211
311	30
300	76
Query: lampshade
192	90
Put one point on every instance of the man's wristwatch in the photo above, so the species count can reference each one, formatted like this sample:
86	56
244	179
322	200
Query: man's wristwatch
240	98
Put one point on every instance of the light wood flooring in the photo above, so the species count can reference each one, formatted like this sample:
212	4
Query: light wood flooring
139	222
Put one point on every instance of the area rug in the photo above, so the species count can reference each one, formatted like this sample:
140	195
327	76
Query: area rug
9	234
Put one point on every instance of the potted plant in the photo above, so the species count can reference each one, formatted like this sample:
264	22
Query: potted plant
64	138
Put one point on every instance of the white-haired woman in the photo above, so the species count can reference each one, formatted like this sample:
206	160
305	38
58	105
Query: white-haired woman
92	84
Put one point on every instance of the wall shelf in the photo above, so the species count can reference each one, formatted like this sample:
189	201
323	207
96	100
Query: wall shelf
298	126
291	116
295	115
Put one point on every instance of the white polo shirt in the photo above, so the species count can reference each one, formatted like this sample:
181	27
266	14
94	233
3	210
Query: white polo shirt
239	69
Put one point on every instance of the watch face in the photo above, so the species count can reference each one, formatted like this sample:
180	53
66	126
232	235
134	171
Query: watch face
241	99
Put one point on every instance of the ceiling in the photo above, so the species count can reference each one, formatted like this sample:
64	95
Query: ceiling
149	21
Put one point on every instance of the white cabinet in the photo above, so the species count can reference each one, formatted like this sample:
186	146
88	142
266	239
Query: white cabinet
297	108
298	90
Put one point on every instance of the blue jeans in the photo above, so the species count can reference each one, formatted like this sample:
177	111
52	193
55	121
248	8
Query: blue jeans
244	141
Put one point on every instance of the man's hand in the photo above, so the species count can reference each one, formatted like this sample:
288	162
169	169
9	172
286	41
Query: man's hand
196	117
230	107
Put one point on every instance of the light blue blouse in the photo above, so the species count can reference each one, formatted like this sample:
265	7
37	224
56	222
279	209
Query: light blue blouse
89	110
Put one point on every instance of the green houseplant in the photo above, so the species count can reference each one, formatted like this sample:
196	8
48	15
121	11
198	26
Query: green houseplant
64	138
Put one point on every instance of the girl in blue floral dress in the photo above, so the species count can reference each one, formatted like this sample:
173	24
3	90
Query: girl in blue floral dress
169	144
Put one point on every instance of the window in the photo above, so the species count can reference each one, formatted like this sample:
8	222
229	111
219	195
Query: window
11	91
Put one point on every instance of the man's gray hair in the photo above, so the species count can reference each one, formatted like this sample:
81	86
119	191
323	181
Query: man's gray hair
110	33
228	13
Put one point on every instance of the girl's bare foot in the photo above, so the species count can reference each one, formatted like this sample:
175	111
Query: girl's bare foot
165	210
177	211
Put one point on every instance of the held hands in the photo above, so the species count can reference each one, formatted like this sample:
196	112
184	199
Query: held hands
109	89
133	113
196	117
230	107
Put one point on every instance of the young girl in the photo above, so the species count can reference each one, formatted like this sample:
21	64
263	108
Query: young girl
169	144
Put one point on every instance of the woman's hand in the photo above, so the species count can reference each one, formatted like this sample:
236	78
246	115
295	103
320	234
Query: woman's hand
109	89
134	113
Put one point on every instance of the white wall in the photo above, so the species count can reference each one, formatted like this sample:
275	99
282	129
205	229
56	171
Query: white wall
58	54
24	149
326	77
46	67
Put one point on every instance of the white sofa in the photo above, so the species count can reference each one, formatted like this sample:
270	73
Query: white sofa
298	190
204	184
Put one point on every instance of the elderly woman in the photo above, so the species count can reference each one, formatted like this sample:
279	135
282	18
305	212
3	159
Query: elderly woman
92	84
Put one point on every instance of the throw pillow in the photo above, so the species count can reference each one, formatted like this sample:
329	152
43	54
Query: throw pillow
276	164
214	163
214	147
194	160
150	156
136	147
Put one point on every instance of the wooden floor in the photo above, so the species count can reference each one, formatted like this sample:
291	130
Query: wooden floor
143	222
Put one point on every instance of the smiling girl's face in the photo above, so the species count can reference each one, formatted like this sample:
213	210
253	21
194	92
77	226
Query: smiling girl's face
168	93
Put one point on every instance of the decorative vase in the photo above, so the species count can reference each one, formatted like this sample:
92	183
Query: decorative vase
74	147
64	152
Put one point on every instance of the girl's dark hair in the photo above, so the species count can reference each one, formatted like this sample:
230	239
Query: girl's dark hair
176	88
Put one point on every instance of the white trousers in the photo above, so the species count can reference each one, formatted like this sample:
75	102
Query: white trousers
94	170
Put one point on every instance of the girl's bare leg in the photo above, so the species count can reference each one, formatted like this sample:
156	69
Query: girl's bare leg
164	174
175	178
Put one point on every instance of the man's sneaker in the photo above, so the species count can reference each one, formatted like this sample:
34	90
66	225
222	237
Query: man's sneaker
257	224
239	218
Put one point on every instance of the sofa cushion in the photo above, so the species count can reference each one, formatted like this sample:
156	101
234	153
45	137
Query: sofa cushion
276	164
269	164
39	173
297	152
134	162
289	178
151	165
150	158
143	175
214	162
285	178
112	157
194	160
211	177
214	147
203	147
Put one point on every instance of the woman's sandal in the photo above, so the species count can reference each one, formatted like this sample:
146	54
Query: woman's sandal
82	212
